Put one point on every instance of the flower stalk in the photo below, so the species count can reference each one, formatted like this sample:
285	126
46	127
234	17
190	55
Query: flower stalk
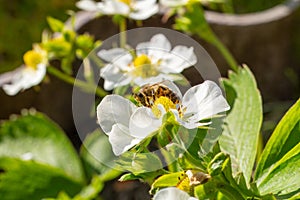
78	83
123	28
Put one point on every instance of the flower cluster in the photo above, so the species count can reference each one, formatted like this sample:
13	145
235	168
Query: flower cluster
63	44
151	62
134	9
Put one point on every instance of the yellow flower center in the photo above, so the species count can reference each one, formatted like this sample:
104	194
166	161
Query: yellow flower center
141	61
127	2
143	67
32	59
165	102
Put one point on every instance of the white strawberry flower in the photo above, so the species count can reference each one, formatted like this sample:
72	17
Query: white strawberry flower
29	74
133	9
153	61
172	193
127	125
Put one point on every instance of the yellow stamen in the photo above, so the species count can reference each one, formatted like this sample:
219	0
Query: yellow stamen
165	102
32	59
128	2
189	180
143	67
184	184
141	60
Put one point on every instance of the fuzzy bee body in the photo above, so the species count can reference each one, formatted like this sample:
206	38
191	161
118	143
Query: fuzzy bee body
149	93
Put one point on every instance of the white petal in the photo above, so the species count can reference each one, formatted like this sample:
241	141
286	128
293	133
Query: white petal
111	7
143	123
151	80
120	139
186	123
25	78
157	46
36	76
173	3
172	193
114	109
113	77
144	4
203	101
111	54
181	58
144	13
87	5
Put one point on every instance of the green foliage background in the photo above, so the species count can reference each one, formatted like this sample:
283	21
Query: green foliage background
246	6
22	22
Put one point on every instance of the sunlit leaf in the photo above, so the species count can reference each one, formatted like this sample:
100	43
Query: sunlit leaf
283	176
31	180
285	136
98	157
167	180
243	123
37	138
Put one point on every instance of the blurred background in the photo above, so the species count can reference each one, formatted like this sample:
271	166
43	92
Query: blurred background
22	22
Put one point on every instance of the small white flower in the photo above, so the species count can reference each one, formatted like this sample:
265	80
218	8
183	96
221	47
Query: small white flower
127	125
29	74
172	193
134	9
154	61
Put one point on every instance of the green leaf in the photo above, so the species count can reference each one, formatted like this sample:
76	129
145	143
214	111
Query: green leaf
295	197
55	24
139	163
98	157
167	180
243	123
206	191
90	192
283	177
144	177
285	136
36	137
31	180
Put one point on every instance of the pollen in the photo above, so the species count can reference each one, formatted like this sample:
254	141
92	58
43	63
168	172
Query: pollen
141	60
127	2
165	102
32	59
143	67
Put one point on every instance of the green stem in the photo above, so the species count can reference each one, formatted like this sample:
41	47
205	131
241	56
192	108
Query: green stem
225	52
195	13
123	28
78	83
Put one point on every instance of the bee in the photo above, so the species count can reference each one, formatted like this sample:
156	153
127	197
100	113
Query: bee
150	92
